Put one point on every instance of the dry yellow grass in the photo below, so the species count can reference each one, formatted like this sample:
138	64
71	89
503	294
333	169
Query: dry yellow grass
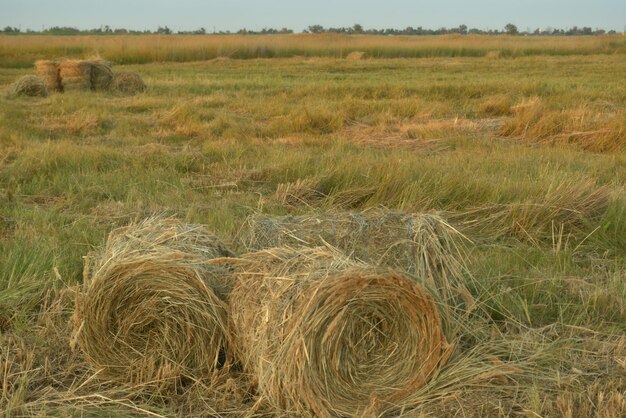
152	310
325	336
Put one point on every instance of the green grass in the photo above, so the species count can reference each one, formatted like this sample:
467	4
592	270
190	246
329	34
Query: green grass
211	142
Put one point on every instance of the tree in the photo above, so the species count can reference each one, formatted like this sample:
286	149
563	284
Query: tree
511	29
164	30
463	29
357	28
316	28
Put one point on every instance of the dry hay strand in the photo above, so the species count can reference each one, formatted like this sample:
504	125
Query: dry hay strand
75	75
49	71
128	83
101	74
151	309
28	85
327	336
356	56
421	244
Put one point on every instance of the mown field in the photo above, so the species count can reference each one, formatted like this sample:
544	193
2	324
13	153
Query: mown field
522	150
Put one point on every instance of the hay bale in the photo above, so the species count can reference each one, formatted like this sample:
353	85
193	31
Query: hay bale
152	308
356	56
128	83
28	85
49	71
421	244
327	336
75	75
101	74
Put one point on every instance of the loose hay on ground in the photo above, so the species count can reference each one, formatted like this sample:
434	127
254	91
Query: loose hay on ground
75	75
151	309
327	336
28	85
128	83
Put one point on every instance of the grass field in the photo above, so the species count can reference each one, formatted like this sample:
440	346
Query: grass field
523	151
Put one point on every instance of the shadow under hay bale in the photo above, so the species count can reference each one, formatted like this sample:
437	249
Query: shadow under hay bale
152	308
422	244
75	75
325	336
101	75
128	84
28	85
49	71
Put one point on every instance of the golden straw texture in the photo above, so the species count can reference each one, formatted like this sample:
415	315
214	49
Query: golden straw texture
150	311
422	244
49	71
326	336
128	83
28	85
75	75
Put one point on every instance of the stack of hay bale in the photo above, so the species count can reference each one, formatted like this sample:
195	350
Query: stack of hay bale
77	75
314	331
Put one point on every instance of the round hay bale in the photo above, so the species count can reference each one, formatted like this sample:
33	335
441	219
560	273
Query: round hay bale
28	85
128	83
101	75
356	56
75	75
151	308
49	71
325	336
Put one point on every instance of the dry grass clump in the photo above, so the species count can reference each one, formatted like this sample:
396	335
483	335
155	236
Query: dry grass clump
128	83
101	74
49	71
151	310
327	336
422	244
565	209
587	128
28	85
75	75
499	105
356	56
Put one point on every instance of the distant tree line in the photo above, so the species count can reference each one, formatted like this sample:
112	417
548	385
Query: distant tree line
357	29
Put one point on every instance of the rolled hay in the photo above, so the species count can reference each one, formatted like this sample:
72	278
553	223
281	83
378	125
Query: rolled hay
356	56
28	85
75	75
327	336
151	307
49	71
128	83
101	74
421	244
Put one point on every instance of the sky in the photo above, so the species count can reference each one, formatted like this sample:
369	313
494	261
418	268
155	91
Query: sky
297	15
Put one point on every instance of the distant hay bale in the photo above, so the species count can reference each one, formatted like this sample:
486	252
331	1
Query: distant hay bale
128	83
152	308
75	75
493	55
422	244
356	56
327	336
28	85
101	74
49	71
